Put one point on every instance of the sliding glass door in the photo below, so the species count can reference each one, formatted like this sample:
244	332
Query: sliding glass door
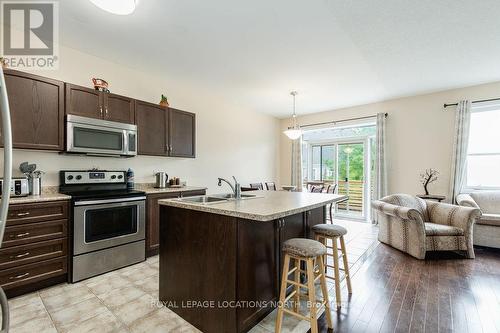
344	164
351	166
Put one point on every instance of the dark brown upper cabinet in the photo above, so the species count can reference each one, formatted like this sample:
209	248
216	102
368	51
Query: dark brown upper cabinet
36	110
152	129
182	129
119	108
87	102
165	131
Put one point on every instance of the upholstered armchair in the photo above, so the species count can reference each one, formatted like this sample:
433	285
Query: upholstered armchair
416	226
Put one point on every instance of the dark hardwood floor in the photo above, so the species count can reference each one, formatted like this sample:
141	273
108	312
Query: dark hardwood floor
393	292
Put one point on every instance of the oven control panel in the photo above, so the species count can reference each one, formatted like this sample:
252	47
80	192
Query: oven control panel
93	177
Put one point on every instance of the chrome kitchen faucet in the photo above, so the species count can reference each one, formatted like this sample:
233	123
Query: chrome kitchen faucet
236	188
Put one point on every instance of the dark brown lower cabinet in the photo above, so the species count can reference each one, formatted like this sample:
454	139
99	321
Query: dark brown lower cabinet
222	273
34	252
153	217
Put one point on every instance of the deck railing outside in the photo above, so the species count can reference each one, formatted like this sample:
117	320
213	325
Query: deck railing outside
354	188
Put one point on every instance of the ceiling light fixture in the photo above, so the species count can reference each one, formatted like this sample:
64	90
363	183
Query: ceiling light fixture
118	7
294	132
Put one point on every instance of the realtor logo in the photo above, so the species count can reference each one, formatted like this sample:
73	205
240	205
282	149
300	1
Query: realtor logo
30	33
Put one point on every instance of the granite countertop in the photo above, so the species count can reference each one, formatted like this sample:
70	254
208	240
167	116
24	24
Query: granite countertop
39	198
50	193
268	206
150	189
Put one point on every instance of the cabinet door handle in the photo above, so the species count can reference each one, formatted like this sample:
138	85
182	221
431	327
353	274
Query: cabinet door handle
23	214
20	255
20	276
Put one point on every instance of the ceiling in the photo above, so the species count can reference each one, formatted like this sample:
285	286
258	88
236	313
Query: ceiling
335	53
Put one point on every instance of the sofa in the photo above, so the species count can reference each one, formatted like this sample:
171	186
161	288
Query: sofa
416	226
487	228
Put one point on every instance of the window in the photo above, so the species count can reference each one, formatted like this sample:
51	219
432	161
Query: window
323	163
483	156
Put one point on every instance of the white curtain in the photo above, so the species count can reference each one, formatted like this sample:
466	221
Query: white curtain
380	186
460	145
297	163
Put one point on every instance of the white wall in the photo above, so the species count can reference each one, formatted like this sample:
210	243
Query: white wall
231	140
419	135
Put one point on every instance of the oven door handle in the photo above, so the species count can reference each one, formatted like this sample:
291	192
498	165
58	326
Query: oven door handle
105	201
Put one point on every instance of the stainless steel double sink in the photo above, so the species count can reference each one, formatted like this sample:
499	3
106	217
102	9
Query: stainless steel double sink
216	198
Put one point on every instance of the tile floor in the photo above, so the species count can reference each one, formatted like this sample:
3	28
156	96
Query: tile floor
126	300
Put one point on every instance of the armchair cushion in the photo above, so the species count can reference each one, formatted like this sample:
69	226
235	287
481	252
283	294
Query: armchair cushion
434	229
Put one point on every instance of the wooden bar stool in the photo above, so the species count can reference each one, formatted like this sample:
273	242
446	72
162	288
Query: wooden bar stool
323	233
311	252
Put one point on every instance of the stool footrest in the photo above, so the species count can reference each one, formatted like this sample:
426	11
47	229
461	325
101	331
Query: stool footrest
296	314
296	283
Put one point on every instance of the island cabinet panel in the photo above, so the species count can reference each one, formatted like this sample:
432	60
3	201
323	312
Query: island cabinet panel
36	110
152	129
219	259
313	217
182	139
292	226
198	260
257	270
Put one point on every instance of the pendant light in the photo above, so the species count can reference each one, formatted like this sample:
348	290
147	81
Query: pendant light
293	132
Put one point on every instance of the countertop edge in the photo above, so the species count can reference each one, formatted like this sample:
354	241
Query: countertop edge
45	197
247	216
154	190
40	198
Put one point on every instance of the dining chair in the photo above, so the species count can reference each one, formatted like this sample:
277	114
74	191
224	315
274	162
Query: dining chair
246	189
317	189
331	190
270	186
257	186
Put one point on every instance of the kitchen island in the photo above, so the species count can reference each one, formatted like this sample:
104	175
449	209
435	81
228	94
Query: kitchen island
221	262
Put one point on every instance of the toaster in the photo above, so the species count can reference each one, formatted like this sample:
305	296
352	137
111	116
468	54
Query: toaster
18	187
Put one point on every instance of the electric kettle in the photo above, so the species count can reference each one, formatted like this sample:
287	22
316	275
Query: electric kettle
161	179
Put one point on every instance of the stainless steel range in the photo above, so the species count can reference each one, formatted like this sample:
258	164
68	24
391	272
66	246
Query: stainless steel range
108	224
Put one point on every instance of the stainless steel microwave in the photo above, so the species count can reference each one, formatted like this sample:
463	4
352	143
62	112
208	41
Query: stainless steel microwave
100	137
